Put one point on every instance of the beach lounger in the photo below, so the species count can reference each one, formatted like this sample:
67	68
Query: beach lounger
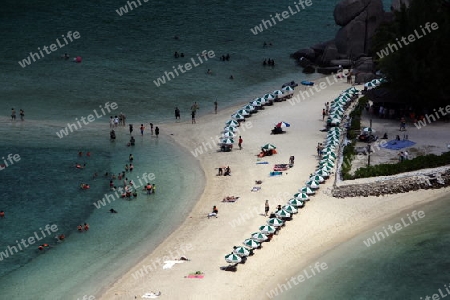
281	167
230	199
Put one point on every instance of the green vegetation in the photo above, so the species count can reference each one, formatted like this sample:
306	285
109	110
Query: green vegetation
420	162
417	72
349	150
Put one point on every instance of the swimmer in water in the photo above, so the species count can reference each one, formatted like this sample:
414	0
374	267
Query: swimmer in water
80	228
86	226
2	214
113	211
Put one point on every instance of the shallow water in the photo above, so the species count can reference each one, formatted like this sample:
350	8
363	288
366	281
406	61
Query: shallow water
409	264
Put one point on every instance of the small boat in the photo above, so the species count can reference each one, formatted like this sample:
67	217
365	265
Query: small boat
305	82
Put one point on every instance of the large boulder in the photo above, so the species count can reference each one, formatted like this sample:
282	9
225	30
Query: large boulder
364	64
345	63
361	77
308	53
355	37
347	10
329	54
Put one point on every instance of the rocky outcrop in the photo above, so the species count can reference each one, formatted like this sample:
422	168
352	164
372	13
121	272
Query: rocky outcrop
359	20
394	186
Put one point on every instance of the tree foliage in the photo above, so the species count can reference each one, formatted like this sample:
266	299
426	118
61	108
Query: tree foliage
419	71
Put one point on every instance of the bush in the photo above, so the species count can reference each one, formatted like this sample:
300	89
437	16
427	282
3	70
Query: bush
420	162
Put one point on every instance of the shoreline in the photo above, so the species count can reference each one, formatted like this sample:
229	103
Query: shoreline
211	258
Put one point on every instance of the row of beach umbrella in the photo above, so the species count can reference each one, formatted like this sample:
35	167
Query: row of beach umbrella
374	83
321	174
230	129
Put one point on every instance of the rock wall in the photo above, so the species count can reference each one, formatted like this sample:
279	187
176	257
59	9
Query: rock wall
394	186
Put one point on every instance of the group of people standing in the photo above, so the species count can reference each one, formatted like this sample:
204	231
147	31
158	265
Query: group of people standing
13	114
117	120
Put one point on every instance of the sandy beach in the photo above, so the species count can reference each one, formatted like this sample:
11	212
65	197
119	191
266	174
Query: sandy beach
322	224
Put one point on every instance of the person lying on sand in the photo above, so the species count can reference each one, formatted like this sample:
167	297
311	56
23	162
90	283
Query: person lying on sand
230	199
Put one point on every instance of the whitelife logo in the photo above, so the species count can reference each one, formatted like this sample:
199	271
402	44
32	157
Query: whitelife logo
379	236
90	118
280	17
391	48
53	47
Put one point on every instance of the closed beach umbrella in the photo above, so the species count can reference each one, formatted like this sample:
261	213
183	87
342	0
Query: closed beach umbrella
290	208
329	157
313	184
282	214
256	103
306	190
230	128
317	178
259	237
232	123
296	202
229	134
327	163
322	173
301	196
268	97
227	141
268	147
266	229
251	243
241	251
278	94
275	222
282	124
250	108
287	90
243	112
232	258
238	116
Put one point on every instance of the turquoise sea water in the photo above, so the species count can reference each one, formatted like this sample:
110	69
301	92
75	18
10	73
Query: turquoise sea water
409	264
122	55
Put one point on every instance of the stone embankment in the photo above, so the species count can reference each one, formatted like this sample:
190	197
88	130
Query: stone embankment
383	186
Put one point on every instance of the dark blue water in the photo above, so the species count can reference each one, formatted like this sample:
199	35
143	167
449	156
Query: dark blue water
122	56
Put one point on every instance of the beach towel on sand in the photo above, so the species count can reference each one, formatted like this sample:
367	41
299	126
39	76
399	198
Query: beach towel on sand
397	145
276	173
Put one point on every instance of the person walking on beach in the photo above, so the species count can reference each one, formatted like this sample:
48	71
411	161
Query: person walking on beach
13	114
142	129
22	114
266	208
240	143
215	107
157	131
131	128
151	128
193	117
177	113
324	113
194	107
111	122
